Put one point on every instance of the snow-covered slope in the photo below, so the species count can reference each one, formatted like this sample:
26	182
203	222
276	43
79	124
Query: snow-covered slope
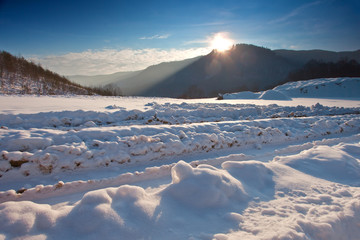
323	88
163	169
20	84
343	88
19	76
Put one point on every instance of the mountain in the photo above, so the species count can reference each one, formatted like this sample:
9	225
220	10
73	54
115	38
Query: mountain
140	82
136	82
242	68
19	76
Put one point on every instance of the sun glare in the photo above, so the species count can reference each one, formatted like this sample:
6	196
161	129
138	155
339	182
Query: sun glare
221	43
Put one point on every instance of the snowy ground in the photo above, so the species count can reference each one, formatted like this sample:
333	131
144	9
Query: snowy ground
156	168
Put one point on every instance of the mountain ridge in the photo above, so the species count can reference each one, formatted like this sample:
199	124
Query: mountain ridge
244	67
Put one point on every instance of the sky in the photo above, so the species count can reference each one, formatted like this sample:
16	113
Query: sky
102	37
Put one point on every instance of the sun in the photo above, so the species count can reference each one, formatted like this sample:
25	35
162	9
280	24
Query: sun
221	43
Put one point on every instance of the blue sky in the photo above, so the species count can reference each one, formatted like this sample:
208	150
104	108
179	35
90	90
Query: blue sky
94	37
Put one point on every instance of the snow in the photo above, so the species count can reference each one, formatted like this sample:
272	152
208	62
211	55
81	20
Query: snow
242	95
44	149
328	163
227	202
323	88
342	88
79	167
19	83
274	95
266	95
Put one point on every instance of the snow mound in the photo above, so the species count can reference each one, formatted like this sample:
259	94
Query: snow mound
273	95
254	175
330	163
204	186
126	209
242	95
131	211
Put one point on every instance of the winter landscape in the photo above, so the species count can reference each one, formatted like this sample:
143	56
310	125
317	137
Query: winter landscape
160	168
201	120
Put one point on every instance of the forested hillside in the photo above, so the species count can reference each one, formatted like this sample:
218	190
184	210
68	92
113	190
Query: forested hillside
19	76
320	69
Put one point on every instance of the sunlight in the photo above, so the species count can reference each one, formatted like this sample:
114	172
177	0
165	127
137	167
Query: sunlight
221	43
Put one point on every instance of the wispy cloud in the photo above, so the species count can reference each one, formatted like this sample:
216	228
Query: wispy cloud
157	36
206	24
106	61
295	12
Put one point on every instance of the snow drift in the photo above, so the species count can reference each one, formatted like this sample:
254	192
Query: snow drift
196	196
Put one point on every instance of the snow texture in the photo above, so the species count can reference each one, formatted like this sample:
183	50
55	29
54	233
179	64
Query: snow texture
166	169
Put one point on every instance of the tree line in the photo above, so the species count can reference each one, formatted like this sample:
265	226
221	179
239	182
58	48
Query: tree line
319	69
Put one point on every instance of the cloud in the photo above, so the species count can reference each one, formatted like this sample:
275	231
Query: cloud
106	61
156	37
295	12
207	24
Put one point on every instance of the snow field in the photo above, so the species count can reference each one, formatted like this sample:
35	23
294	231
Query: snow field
240	199
46	151
307	187
167	113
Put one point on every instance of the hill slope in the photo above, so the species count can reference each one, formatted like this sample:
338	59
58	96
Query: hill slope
323	88
343	88
139	83
19	76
